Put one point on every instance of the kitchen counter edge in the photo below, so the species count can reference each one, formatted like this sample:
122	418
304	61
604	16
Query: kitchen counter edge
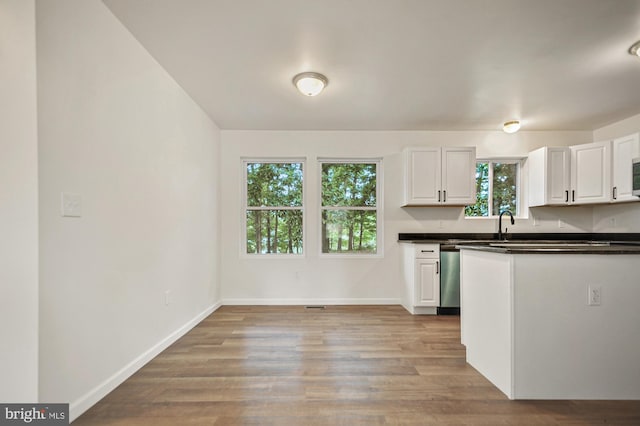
609	250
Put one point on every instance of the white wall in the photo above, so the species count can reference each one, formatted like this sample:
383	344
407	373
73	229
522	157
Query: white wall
18	203
312	278
115	128
619	217
618	129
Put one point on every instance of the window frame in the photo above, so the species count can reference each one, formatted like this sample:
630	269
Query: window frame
519	190
378	161
245	161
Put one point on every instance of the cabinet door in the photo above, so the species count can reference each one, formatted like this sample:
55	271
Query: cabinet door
558	176
591	173
537	170
624	150
459	176
422	177
427	282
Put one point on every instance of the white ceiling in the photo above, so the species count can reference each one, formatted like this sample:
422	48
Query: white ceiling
398	64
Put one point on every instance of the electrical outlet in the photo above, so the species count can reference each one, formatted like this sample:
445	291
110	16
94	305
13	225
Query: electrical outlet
71	205
595	295
166	297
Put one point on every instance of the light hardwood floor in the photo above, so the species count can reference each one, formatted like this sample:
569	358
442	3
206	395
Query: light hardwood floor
345	365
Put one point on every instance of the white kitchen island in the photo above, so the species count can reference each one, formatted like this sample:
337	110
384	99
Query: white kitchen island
528	326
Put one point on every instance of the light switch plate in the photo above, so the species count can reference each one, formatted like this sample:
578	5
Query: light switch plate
71	205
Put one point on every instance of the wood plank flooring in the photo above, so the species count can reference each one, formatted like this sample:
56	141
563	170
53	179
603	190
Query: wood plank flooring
345	365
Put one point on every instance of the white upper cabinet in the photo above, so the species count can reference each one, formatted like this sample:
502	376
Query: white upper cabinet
459	176
422	176
591	173
624	150
580	174
549	176
439	176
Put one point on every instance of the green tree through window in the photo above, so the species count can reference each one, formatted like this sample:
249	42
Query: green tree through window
349	207
496	189
274	204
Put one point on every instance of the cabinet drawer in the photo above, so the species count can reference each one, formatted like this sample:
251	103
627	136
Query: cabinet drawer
427	251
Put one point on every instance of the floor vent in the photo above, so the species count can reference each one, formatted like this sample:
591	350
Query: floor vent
314	307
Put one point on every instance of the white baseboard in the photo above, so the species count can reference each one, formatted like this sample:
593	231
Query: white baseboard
358	301
79	406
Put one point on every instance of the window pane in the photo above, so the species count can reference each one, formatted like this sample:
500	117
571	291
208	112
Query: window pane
505	178
274	184
349	185
274	231
481	207
349	231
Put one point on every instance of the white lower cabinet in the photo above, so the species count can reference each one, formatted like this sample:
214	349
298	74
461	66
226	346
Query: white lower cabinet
421	278
426	277
529	328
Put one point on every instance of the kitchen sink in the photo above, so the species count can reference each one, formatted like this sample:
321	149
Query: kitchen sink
550	244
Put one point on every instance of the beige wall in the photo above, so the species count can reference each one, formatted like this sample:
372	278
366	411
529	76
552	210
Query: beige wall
148	163
317	279
18	203
116	129
618	129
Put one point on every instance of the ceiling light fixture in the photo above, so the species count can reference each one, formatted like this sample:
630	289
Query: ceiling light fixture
310	83
511	126
635	49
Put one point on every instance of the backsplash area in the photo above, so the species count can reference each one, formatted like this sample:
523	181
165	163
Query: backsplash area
617	218
538	219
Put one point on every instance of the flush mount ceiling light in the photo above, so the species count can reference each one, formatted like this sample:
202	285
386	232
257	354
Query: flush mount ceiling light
635	49
310	83
511	126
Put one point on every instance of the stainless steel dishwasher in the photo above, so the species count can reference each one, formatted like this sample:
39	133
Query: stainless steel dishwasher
449	280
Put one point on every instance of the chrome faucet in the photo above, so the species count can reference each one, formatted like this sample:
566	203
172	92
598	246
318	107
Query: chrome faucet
513	222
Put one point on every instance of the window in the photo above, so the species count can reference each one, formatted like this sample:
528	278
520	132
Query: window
274	206
350	216
497	188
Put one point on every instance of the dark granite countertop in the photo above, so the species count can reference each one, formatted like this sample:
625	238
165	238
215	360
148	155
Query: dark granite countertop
555	248
586	243
442	238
